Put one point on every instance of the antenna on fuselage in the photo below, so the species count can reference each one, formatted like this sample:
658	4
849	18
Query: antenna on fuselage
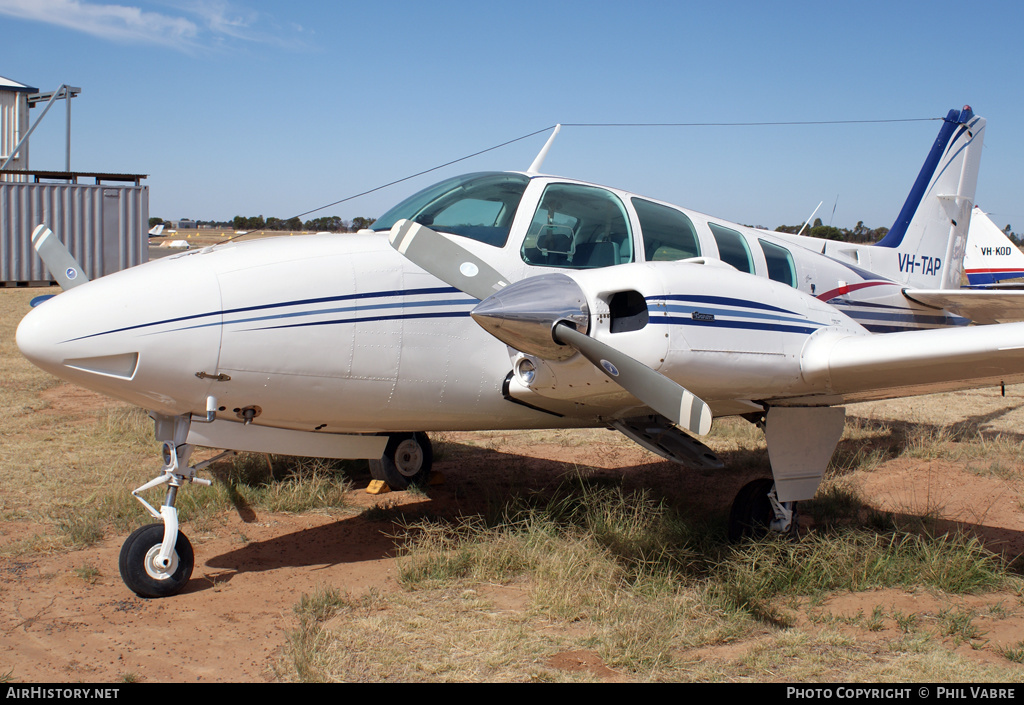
539	160
812	215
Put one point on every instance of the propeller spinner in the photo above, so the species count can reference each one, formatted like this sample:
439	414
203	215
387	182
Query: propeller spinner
546	316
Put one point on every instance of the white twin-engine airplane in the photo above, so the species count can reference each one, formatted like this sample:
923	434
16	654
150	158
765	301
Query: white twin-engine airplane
520	300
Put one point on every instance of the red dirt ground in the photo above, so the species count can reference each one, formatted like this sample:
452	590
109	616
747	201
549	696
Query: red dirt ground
232	622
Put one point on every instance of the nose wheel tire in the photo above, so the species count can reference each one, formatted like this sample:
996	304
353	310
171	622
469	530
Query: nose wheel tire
407	460
140	570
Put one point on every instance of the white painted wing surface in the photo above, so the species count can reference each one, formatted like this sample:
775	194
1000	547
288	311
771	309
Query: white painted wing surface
889	365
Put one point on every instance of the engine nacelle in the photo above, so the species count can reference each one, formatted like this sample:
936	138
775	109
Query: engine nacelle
719	347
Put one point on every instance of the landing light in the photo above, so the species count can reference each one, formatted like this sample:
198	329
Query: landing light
526	371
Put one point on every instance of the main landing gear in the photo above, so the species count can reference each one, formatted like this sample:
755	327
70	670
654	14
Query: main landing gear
407	460
157	559
757	511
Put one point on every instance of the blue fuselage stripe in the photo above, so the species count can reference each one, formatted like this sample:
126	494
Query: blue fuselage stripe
325	311
731	312
284	304
722	323
720	300
370	319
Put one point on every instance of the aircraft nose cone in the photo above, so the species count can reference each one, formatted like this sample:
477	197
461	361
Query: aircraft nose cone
33	338
524	314
140	335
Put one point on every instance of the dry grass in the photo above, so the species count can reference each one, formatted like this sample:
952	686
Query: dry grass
625	577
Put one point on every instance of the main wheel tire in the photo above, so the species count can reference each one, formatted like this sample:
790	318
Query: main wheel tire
751	515
407	460
139	570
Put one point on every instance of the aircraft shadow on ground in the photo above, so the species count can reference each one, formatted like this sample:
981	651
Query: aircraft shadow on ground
480	481
893	438
477	482
970	428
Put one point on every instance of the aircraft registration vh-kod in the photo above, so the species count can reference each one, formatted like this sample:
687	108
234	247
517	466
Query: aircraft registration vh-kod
515	300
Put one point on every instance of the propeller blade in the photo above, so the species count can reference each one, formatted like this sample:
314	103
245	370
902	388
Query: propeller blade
446	260
652	388
523	318
58	260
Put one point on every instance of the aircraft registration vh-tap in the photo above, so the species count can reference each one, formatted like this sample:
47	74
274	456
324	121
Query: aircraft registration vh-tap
515	300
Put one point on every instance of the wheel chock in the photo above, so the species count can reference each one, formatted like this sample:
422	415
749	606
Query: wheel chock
436	478
377	487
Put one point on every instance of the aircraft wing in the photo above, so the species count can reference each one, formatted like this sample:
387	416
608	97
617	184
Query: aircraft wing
883	366
982	306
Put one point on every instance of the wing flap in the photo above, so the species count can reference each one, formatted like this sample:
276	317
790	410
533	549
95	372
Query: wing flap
981	306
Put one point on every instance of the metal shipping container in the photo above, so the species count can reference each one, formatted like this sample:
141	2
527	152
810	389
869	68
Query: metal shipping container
104	227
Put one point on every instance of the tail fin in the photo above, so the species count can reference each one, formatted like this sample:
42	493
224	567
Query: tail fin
991	256
930	233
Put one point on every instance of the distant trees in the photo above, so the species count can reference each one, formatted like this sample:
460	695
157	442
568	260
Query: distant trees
361	223
860	233
331	224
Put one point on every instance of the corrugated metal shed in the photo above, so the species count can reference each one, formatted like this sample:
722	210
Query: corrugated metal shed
104	226
13	122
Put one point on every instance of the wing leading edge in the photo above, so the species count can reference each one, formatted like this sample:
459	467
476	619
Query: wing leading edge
852	368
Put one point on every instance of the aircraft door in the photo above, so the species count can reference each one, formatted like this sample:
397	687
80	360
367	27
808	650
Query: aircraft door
578	227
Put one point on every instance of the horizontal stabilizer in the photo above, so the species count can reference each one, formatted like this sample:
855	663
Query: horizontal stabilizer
980	305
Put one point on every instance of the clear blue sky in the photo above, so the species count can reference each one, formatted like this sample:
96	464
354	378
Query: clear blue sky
277	108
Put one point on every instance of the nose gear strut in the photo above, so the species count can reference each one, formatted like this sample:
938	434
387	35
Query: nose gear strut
157	560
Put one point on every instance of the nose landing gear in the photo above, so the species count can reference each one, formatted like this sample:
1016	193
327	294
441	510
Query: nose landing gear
144	571
157	559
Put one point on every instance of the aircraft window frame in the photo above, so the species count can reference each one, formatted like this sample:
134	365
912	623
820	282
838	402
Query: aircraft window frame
730	237
648	213
433	202
773	260
578	226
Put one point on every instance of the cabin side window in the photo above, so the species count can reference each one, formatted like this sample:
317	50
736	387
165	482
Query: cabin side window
780	263
578	227
732	248
668	233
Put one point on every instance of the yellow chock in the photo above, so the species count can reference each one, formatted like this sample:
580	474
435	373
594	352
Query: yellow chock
378	487
436	478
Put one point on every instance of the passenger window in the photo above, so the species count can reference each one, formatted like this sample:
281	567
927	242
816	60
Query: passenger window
732	248
780	263
578	227
668	233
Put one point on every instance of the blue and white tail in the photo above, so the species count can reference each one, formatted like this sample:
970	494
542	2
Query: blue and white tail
929	236
991	256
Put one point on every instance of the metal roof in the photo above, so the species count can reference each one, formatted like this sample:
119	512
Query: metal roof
73	176
7	84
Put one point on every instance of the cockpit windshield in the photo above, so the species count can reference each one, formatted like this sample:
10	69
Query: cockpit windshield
479	206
